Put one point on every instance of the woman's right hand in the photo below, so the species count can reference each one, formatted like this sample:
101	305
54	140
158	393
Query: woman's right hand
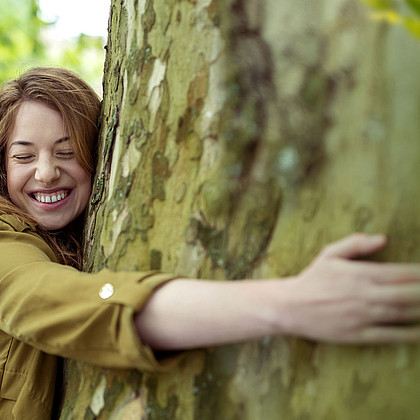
342	300
336	299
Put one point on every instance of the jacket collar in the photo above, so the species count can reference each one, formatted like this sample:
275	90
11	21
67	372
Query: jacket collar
17	224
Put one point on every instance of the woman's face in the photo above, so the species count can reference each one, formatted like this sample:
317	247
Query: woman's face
44	178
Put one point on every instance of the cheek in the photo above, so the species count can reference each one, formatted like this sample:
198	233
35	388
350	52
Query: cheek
15	180
84	187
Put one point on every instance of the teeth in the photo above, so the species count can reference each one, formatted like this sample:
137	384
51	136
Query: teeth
51	198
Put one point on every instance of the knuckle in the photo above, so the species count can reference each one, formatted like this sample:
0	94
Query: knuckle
397	313
389	313
327	249
356	315
399	299
357	239
370	336
357	236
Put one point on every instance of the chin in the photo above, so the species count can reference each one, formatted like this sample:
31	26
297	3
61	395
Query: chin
49	224
52	226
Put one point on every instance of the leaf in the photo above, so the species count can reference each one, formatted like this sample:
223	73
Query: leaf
413	26
414	5
389	16
379	4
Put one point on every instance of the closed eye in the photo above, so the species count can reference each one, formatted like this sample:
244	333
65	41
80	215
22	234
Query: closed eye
22	158
65	154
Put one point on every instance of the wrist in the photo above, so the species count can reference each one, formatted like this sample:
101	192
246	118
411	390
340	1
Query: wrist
279	309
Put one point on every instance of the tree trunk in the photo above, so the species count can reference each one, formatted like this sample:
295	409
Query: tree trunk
238	137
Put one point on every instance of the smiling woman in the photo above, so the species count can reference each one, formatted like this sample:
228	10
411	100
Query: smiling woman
47	104
45	179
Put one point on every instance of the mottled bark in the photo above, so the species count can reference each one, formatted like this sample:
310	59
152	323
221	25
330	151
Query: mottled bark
238	137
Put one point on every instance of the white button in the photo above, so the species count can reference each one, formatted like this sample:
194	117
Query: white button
107	290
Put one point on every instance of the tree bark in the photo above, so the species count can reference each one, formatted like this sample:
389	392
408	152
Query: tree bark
238	137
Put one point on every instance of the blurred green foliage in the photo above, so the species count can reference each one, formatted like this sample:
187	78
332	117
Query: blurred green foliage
85	55
402	12
24	43
20	30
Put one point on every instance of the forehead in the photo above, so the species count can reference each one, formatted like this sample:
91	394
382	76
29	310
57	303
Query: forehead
34	111
35	121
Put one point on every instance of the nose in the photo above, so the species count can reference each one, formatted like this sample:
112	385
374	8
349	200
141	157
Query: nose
47	171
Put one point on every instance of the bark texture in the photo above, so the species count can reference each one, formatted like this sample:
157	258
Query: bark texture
238	137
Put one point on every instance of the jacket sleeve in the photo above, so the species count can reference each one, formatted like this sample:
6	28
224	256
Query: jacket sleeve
62	311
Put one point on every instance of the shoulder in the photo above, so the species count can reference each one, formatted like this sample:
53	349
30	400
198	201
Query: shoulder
18	236
12	223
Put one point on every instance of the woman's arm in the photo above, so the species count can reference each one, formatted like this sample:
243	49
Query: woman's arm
336	299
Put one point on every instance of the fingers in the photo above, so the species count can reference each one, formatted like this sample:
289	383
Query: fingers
394	314
395	297
355	245
401	274
390	334
407	294
386	273
360	301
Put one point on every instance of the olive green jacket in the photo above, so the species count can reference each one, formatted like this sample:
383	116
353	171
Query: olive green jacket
48	310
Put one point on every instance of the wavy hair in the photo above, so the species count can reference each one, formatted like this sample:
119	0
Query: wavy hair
79	105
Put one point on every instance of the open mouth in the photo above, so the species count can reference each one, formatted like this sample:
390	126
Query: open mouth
52	197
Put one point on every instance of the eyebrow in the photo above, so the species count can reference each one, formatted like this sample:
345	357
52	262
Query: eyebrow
28	143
